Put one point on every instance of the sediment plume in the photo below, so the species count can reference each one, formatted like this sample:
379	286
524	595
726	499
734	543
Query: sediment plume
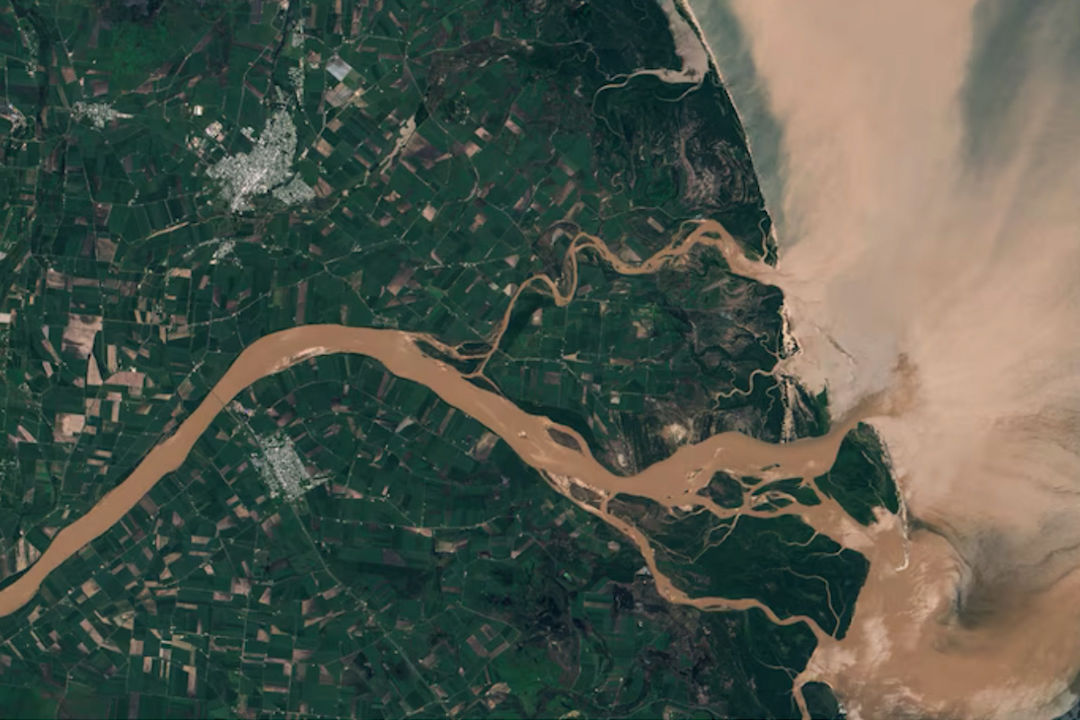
930	163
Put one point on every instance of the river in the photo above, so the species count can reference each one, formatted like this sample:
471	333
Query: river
558	453
922	161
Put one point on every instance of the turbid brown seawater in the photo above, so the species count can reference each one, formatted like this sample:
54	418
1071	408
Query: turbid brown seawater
930	168
918	228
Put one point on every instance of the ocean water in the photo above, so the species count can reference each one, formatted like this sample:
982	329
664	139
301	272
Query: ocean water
922	160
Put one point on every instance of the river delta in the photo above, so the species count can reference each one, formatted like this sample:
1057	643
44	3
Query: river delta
460	359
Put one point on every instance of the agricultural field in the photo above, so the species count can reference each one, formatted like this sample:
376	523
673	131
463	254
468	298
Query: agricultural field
180	179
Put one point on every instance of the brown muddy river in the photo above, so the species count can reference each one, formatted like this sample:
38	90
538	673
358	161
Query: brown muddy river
672	482
909	589
527	434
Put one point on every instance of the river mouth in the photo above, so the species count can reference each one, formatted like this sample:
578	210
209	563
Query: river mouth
907	629
924	166
560	454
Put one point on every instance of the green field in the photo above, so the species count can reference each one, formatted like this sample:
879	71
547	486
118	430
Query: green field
182	178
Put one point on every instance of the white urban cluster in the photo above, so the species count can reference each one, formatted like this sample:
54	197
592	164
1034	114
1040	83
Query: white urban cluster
97	113
266	167
281	467
30	40
223	250
296	77
13	115
294	191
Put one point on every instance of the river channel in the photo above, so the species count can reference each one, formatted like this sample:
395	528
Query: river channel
907	595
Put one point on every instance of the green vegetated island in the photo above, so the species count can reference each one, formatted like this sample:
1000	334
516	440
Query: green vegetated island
181	179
